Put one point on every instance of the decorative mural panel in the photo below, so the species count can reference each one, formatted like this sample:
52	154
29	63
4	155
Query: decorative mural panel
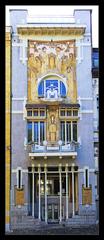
19	196
51	57
86	195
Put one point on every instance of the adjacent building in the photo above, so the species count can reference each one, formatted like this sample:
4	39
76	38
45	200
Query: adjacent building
8	125
95	85
52	148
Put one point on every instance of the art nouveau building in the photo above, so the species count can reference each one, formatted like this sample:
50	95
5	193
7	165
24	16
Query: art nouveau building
53	169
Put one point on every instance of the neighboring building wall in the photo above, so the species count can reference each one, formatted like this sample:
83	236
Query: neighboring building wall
95	86
19	95
8	130
84	88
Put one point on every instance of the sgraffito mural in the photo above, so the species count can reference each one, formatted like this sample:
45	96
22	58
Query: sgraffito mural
49	58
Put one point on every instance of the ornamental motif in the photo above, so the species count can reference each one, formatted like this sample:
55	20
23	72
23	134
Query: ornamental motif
51	56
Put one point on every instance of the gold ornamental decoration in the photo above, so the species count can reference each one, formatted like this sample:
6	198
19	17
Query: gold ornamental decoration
19	196
86	195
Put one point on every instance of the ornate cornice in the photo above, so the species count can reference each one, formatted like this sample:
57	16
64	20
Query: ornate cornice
51	31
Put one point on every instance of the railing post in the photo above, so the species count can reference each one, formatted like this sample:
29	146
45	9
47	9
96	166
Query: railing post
33	190
45	193
66	191
39	215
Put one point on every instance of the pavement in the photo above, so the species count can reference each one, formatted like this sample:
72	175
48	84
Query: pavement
62	230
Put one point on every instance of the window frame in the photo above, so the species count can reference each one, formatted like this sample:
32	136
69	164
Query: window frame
39	140
60	84
72	116
71	138
19	178
38	115
86	177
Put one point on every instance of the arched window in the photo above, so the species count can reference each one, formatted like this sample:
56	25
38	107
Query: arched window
41	89
51	88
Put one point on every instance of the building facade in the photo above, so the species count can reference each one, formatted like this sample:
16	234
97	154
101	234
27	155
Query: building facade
8	126
95	85
52	150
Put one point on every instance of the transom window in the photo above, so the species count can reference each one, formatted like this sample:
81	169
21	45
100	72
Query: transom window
36	112
68	131
36	132
67	112
51	89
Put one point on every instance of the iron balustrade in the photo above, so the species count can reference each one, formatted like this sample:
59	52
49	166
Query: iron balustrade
71	147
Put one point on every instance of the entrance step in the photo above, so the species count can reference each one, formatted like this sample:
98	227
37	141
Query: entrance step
81	220
28	222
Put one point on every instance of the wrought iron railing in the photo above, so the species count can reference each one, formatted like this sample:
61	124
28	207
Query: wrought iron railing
69	147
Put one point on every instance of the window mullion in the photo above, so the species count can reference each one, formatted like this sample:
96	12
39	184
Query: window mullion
59	89
33	131
71	131
65	133
45	130
44	88
39	133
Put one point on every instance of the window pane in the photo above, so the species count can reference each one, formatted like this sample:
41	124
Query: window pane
63	131
75	113
36	113
29	125
69	113
29	113
75	131
68	131
52	88
86	178
62	112
96	63
41	89
62	89
36	135
42	132
42	113
19	178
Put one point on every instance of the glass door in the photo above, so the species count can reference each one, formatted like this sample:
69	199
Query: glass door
53	214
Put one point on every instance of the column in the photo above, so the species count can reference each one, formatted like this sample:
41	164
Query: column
66	191
45	169
33	190
76	190
39	213
73	206
60	179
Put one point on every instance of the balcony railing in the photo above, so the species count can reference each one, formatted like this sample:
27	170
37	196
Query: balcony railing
53	150
63	148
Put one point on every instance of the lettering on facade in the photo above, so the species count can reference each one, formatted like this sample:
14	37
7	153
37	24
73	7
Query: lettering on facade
19	196
86	195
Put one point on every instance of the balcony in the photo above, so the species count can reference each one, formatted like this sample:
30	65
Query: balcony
49	150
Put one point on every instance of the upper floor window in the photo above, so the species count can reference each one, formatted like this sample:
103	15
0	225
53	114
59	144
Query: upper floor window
51	89
68	113
36	132
68	131
36	113
95	58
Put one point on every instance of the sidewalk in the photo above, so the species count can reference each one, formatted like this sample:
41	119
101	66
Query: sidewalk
63	230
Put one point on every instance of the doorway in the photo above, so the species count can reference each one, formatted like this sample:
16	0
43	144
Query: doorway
53	213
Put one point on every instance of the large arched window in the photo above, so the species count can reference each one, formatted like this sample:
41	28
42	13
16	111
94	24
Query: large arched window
51	88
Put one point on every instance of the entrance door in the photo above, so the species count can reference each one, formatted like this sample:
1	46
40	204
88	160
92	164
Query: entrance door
53	214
